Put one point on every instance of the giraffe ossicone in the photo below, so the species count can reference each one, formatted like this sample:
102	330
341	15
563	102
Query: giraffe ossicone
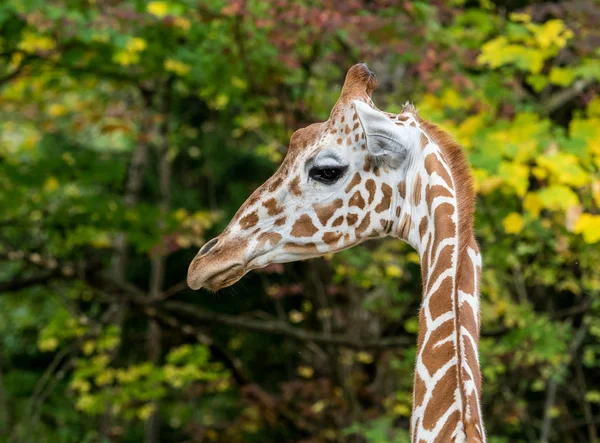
364	174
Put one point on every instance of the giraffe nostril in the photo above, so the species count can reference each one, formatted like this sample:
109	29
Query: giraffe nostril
208	246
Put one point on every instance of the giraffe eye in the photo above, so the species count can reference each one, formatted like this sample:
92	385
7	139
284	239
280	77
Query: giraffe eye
327	175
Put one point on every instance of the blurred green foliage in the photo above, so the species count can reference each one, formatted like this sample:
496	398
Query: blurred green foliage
132	130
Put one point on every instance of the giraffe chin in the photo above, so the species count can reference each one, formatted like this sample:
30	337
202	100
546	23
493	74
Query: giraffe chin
218	280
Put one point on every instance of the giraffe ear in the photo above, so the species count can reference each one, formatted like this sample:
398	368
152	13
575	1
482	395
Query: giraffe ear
385	140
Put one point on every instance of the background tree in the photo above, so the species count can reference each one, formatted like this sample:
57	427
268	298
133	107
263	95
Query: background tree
130	131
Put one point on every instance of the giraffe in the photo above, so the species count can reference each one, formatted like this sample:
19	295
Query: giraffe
366	174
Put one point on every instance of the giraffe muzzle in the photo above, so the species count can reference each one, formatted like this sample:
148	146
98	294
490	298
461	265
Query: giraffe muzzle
218	264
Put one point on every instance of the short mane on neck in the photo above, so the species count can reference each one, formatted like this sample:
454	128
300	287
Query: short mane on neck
446	402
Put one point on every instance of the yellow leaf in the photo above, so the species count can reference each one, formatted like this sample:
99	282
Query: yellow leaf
125	58
539	173
56	110
48	344
589	226
469	127
489	185
101	240
158	9
402	410
238	83
31	42
589	131
557	197
296	316
596	192
136	44
181	214
451	99
593	109
88	347
553	32
80	385
393	271
532	204
106	377
562	76
305	371
513	223
51	184
364	357
220	101
182	23
101	37
15	60
520	17
177	67
554	411
516	175
145	411
413	257
318	406
565	169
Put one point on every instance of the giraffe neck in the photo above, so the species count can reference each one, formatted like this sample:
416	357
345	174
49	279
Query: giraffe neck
446	395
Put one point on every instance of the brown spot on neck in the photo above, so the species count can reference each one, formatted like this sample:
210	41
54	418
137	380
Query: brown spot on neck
332	237
352	183
249	220
272	207
423	141
402	189
416	194
423	227
268	237
351	219
404	227
364	224
326	211
280	221
275	184
371	189
295	186
386	225
431	192
338	221
303	227
434	165
386	201
357	200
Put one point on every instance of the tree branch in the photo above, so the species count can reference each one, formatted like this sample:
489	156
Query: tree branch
276	327
17	285
157	262
553	384
562	97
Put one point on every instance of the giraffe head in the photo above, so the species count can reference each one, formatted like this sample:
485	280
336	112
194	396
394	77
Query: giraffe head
341	183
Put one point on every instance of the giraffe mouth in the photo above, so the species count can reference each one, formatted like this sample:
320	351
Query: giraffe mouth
225	277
